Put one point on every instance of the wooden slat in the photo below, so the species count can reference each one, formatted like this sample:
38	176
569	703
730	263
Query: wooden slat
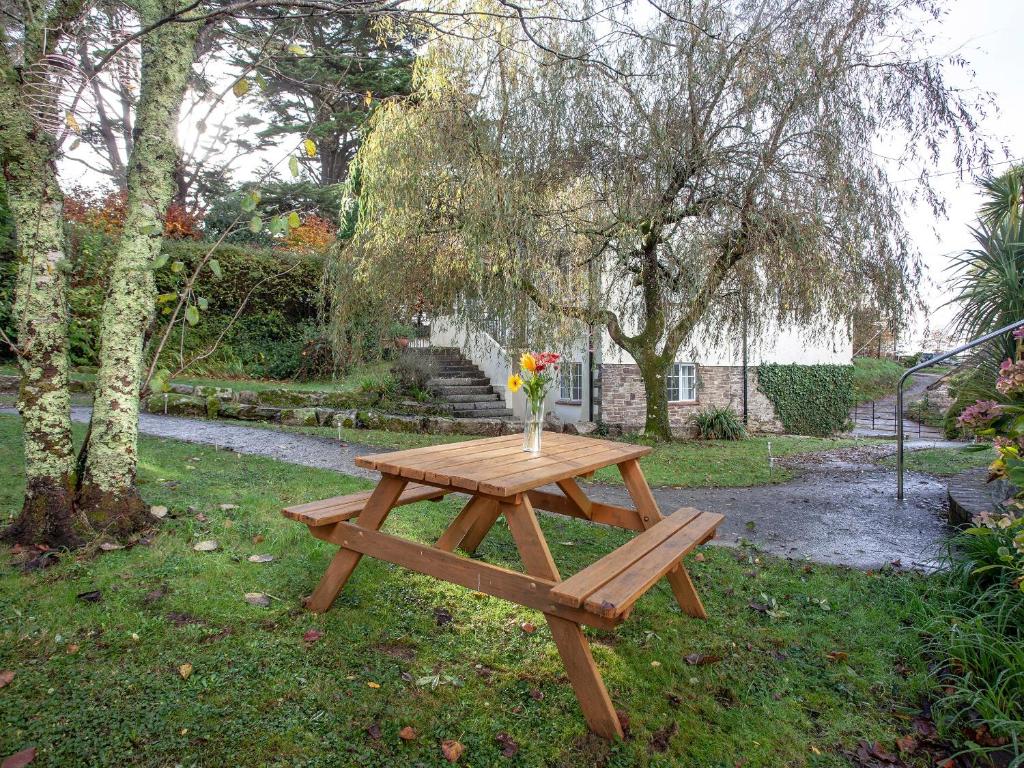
616	597
441	471
531	591
471	475
575	494
508	485
338	508
575	590
607	514
397	458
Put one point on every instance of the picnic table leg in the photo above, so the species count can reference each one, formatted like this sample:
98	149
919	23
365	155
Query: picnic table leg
568	635
477	510
345	560
485	519
647	509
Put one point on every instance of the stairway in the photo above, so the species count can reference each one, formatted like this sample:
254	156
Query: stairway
464	386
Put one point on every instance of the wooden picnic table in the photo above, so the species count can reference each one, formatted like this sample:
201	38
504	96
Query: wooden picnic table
501	479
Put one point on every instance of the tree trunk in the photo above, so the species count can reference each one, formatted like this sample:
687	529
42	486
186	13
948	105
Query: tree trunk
107	491
40	307
653	370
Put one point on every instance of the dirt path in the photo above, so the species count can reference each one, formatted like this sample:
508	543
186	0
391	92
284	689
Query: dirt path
842	510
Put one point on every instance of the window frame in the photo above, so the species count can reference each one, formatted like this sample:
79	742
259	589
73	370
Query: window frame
676	375
574	369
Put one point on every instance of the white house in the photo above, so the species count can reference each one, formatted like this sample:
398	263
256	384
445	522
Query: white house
600	382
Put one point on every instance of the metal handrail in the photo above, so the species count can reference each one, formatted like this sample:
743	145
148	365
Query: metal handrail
927	364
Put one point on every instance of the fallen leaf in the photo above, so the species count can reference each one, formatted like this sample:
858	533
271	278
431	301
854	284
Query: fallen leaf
20	759
201	518
661	738
759	607
227	507
158	512
508	745
452	750
72	648
837	656
373	685
209	545
6	676
702	659
257	598
92	596
655	663
312	636
373	731
906	744
185	670
536	694
261	558
699	557
528	627
135	637
257	539
229	523
110	546
408	733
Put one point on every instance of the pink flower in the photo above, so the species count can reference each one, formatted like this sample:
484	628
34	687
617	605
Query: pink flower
545	359
1018	333
981	414
1011	377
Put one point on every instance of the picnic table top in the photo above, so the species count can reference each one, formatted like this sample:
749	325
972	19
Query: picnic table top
498	466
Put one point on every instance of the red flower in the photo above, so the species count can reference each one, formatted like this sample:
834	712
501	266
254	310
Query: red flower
545	359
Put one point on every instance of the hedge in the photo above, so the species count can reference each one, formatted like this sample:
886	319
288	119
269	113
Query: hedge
809	399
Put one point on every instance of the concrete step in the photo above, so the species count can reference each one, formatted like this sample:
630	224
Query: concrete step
484	397
463	389
460	381
466	372
465	405
478	413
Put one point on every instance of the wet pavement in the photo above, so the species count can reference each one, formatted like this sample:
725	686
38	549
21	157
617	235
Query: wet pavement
841	510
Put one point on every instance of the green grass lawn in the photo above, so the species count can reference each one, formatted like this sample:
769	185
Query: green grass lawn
874	378
98	682
943	462
724	463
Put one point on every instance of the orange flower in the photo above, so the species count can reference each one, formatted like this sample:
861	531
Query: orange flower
527	362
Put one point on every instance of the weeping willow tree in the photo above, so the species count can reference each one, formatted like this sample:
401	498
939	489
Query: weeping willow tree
658	179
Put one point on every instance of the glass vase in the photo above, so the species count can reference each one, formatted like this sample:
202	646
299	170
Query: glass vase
533	427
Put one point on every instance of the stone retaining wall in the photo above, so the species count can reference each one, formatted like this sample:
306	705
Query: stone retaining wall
624	404
213	406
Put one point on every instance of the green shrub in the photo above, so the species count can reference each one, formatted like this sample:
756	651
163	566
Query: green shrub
809	399
972	624
412	371
718	424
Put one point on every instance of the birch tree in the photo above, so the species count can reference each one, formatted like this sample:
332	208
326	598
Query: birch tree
28	135
715	167
107	493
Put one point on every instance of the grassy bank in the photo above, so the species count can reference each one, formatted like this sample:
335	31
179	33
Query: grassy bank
943	462
874	378
97	647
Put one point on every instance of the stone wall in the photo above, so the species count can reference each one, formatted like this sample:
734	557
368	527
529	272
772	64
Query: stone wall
623	403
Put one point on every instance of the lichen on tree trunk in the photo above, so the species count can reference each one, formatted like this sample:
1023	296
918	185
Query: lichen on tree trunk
40	309
656	421
107	490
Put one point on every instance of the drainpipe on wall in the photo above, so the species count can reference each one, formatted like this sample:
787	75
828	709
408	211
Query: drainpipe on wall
590	372
743	324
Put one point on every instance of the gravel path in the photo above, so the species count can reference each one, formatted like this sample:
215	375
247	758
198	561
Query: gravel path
842	510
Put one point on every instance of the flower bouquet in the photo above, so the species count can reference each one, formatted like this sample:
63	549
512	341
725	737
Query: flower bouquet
535	378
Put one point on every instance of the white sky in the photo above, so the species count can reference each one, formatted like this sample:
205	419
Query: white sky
987	34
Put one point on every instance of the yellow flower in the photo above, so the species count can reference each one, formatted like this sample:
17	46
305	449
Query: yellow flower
527	362
515	381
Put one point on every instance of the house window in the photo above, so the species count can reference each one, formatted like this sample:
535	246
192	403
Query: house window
572	382
681	384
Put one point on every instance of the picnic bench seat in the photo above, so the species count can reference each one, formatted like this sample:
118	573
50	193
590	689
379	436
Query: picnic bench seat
341	508
610	586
